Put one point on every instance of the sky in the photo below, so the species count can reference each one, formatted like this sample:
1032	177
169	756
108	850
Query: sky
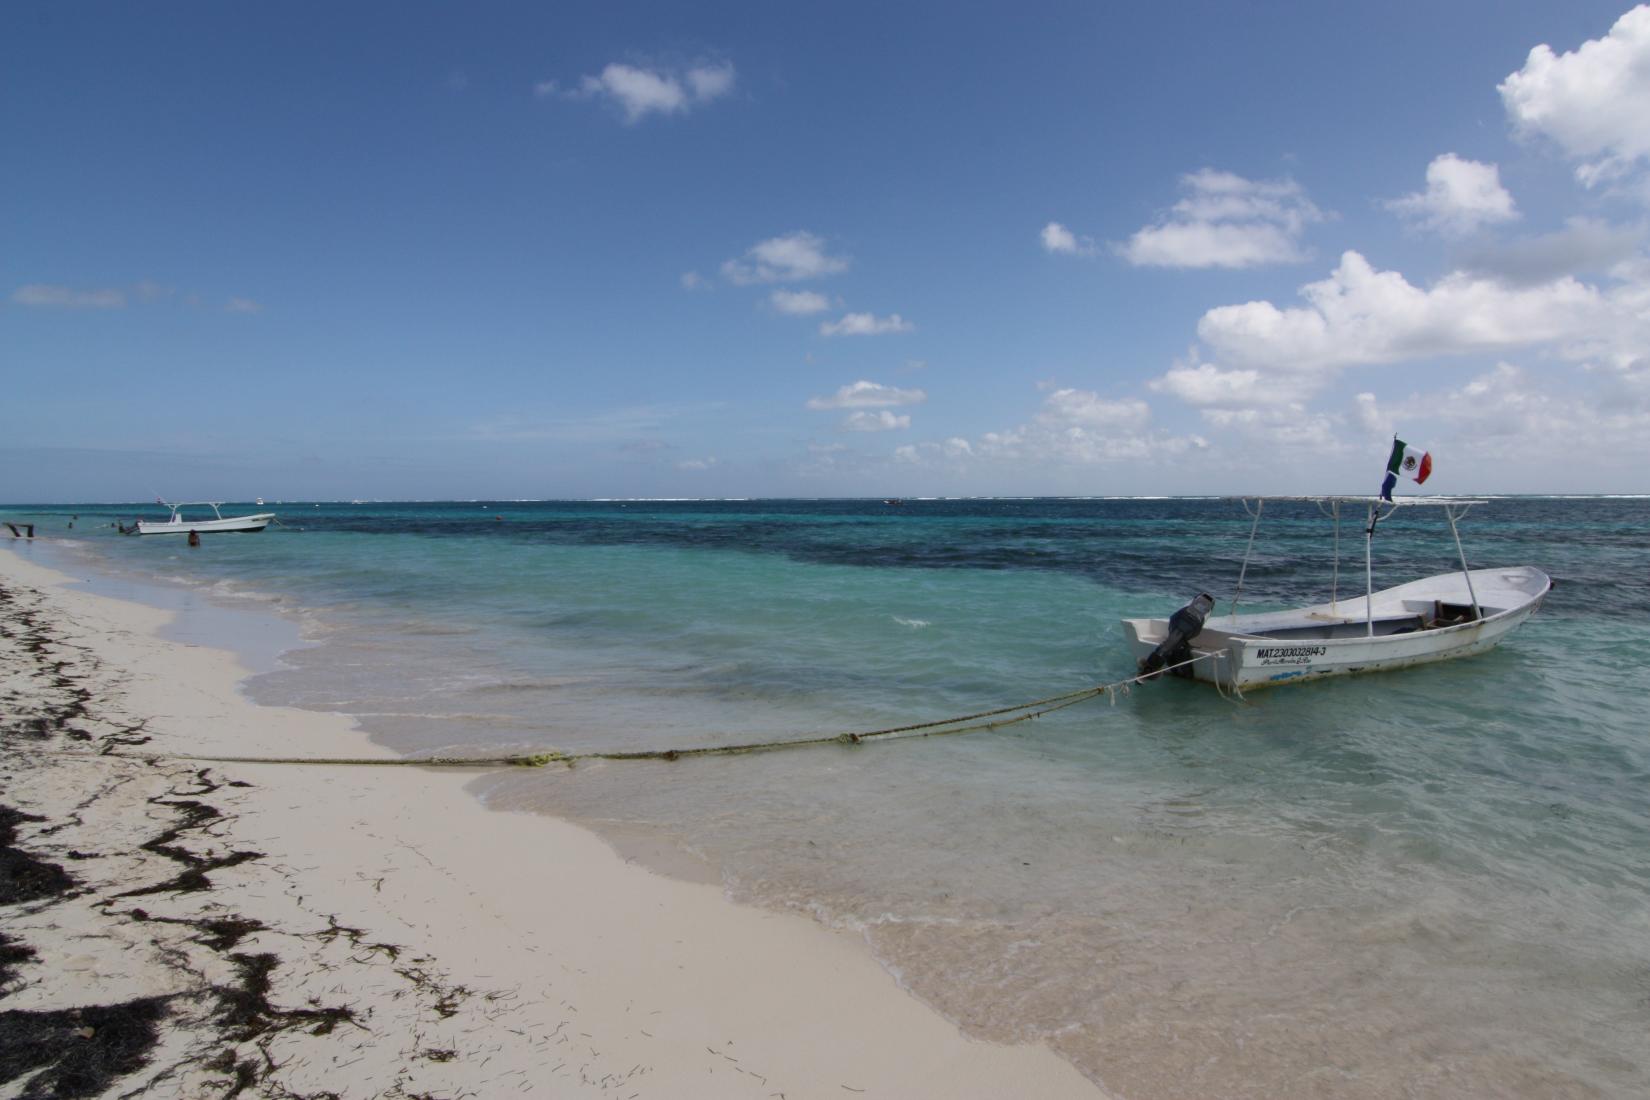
442	251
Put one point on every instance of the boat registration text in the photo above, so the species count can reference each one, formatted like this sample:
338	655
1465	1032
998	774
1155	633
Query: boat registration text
1290	654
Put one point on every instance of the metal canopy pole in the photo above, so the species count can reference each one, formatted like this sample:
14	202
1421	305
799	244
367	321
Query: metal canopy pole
1260	503
1449	510
1334	513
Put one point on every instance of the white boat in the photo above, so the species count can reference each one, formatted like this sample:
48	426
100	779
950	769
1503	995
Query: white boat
1437	618
179	524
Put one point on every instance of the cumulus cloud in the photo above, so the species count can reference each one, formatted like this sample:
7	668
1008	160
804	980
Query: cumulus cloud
63	297
1206	385
1073	428
243	305
868	395
692	464
692	280
799	303
865	324
1592	102
1360	315
1089	410
955	448
1497	412
638	92
1226	220
1057	238
1271	360
1461	197
1583	245
879	421
789	258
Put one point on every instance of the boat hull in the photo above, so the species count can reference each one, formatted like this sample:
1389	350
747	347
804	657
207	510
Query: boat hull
183	527
1272	648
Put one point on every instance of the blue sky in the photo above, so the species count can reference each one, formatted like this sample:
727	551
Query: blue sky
419	251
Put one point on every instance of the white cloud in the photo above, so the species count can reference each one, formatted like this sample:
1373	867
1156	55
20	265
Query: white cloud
1090	410
1371	419
954	449
879	421
1073	428
1497	413
692	280
40	294
1206	385
1593	101
868	395
1583	245
1226	220
691	464
1360	315
865	324
639	92
144	292
710	82
799	303
1461	196
1057	238
1319	433
790	258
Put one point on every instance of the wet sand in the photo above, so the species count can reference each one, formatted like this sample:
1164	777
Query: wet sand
176	927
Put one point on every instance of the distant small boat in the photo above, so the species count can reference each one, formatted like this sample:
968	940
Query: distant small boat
178	524
1432	619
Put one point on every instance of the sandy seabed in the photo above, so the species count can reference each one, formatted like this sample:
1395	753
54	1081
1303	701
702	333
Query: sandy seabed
175	927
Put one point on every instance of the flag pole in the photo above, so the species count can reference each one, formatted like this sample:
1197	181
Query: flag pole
1335	576
1369	574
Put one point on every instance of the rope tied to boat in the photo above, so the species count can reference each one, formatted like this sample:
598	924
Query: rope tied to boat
996	718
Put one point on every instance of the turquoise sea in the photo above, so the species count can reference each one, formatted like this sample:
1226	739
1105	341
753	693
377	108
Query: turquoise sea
1431	883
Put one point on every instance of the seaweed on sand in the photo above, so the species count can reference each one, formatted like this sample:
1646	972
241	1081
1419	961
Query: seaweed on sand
11	953
24	877
78	1052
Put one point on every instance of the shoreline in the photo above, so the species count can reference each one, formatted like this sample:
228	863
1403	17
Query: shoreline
277	930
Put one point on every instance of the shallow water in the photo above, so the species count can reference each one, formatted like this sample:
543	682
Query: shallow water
1429	883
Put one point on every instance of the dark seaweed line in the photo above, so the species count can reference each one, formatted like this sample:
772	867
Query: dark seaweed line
85	1050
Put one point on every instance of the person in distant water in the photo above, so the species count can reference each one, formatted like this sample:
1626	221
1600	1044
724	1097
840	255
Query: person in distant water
194	538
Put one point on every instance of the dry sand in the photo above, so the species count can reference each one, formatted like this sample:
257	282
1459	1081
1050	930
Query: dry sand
196	929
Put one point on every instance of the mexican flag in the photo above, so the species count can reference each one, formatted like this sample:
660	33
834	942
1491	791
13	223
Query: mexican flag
1406	461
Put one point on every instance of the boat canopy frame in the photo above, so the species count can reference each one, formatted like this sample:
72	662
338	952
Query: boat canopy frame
179	506
1455	508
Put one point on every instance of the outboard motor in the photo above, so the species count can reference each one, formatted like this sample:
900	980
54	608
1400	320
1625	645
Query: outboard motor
1184	625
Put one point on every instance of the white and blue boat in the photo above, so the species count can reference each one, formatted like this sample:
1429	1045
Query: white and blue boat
1437	618
180	523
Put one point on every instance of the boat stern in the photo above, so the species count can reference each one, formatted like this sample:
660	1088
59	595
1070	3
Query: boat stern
1145	635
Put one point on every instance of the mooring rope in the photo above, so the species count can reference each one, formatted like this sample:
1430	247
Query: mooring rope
944	727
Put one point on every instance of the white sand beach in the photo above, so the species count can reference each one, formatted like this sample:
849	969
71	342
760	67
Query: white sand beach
362	931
